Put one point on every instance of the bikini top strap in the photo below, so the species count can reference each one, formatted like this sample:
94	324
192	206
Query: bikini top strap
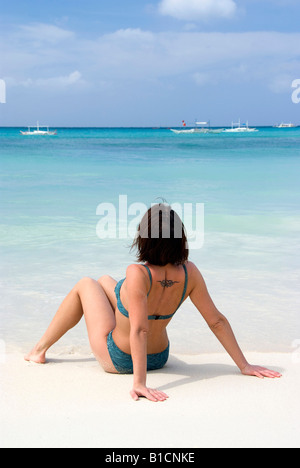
119	302
150	277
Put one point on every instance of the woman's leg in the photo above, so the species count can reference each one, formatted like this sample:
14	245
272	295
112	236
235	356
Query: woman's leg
96	301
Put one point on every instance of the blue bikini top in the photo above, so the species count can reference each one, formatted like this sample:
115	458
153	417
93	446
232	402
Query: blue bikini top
150	317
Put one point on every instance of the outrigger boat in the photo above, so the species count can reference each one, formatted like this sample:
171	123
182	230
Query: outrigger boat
238	128
285	125
197	129
38	131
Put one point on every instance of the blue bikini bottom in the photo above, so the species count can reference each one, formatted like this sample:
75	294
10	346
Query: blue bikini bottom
123	362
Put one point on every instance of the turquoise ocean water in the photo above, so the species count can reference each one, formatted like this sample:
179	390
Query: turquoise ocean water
50	188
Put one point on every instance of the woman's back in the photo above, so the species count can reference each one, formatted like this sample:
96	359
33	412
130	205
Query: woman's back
167	289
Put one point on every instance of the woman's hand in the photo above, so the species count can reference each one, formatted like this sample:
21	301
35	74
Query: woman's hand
149	393
260	372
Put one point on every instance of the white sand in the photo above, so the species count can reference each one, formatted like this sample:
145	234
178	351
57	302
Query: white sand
71	402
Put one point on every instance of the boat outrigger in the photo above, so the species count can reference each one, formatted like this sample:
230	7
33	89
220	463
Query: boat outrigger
39	131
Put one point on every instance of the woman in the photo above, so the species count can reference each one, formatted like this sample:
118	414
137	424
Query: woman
127	321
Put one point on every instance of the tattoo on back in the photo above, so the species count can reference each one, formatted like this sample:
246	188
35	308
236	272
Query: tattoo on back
168	283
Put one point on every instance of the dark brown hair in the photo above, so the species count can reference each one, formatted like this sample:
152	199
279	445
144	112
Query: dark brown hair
161	237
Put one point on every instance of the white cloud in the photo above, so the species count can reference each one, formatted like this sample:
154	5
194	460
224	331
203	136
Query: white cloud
45	33
129	56
192	10
51	82
136	54
61	81
132	34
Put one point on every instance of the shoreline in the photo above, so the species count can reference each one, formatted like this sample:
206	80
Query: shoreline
71	402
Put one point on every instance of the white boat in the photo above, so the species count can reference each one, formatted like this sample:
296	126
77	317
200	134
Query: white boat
238	128
40	131
285	125
197	129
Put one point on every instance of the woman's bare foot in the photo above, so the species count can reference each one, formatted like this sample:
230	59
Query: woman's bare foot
37	356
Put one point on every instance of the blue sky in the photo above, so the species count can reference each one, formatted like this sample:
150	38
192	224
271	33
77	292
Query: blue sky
140	63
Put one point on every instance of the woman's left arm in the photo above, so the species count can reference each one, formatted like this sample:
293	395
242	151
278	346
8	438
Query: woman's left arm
225	335
221	327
